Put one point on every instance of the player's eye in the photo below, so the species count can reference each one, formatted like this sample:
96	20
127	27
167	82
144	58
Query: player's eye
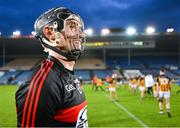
73	25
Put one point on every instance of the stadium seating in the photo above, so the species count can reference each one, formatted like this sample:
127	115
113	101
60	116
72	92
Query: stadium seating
22	77
1	74
21	64
90	63
132	73
122	62
82	73
155	72
87	67
142	61
157	61
102	73
8	76
177	72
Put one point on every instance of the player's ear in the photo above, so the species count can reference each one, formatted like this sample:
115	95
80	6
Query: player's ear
49	32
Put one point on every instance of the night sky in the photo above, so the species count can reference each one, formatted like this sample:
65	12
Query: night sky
97	14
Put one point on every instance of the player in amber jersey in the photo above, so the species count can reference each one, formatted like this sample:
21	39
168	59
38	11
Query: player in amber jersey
164	87
134	84
94	82
99	84
142	87
112	89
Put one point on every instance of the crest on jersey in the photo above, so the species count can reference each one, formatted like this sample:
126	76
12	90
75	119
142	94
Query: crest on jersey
69	87
82	121
78	85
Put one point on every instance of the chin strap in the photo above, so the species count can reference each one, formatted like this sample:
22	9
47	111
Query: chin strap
73	55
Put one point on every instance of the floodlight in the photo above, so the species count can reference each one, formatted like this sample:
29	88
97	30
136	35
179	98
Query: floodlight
131	31
170	30
150	30
105	31
16	33
89	31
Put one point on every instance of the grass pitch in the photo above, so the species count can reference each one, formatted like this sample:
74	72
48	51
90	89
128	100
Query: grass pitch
128	111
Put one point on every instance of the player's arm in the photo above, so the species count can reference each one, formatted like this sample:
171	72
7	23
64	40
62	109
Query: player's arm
49	102
157	84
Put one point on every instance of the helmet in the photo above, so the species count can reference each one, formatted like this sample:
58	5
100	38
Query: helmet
57	17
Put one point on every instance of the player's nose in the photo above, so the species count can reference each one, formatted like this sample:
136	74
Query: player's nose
81	34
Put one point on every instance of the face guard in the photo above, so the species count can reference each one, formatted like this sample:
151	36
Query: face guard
69	24
74	34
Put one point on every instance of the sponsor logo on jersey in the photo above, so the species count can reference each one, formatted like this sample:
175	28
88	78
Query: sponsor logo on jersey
69	87
82	121
78	86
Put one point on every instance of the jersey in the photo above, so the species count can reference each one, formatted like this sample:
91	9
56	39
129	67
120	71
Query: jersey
94	80
112	84
51	97
134	81
164	83
99	82
141	82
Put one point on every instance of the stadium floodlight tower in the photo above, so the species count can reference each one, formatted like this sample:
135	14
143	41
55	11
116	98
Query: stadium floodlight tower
150	30
105	32
16	33
131	31
169	30
89	32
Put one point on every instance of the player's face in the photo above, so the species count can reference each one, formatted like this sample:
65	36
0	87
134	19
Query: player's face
73	34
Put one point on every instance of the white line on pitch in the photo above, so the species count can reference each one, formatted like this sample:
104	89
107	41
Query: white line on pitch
129	113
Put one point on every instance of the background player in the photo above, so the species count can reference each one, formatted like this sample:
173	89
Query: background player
164	87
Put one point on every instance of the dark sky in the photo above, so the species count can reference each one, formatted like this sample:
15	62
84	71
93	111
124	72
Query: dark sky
21	14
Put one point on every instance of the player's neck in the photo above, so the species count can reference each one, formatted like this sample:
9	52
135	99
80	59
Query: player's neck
67	64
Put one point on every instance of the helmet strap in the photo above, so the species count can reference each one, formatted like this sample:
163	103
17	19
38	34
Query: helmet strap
72	55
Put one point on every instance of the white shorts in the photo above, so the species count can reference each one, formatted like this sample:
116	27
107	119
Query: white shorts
112	89
165	94
142	89
156	93
134	86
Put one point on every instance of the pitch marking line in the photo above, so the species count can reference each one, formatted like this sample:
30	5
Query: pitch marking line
129	113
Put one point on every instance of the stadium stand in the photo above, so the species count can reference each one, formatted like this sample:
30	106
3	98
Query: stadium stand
8	76
113	54
102	73
22	77
1	74
2	61
85	74
132	73
118	73
21	64
90	63
157	61
155	72
177	72
123	63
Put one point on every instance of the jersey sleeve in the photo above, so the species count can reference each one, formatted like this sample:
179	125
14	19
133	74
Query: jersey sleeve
49	101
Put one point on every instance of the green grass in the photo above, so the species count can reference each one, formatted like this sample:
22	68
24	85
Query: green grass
102	112
7	106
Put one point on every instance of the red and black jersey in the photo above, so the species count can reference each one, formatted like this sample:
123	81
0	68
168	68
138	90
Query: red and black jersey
51	97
